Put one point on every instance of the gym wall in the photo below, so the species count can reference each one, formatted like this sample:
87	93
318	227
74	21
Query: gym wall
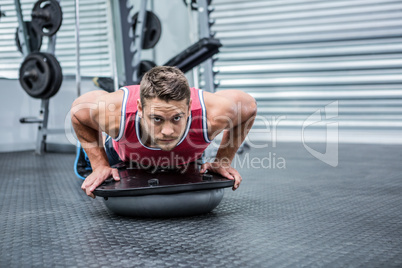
300	57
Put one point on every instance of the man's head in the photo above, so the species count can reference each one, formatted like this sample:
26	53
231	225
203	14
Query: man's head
164	106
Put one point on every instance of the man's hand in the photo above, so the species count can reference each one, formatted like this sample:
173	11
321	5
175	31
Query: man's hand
97	177
223	169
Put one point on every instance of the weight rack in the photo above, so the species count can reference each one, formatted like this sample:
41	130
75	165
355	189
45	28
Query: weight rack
204	25
132	46
43	118
190	57
207	70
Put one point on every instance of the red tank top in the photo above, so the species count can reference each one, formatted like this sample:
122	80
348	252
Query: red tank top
194	141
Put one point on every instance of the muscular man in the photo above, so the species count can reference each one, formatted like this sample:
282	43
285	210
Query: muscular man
161	122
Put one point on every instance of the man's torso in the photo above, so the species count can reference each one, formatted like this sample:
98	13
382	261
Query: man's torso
128	143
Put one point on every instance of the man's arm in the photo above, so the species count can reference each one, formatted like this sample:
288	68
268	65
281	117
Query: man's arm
233	112
91	114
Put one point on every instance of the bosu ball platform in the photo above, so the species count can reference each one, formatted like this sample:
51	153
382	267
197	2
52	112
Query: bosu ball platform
156	192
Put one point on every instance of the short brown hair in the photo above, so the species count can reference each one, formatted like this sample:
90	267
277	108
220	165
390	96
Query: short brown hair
166	83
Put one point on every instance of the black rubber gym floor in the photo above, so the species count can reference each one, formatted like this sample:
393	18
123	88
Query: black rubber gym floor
307	214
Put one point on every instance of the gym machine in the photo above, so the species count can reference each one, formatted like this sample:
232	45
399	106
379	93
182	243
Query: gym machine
143	32
204	31
40	73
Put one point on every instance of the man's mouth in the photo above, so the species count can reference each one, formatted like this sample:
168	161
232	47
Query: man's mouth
167	140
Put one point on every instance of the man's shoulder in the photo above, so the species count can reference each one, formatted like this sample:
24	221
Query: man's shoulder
220	112
217	103
131	88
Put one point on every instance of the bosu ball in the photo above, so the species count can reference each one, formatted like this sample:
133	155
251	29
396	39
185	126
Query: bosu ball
156	192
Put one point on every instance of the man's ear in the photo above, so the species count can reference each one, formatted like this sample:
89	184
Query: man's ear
139	108
189	106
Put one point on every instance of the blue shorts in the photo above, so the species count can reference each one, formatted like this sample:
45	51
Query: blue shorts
111	153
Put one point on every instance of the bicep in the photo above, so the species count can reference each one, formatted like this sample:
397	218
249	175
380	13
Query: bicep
93	110
82	109
245	104
231	107
221	113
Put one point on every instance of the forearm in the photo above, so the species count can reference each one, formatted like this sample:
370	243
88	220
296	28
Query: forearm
92	142
232	138
231	141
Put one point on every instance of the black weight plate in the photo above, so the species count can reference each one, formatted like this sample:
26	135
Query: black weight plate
35	40
47	17
35	74
152	30
56	76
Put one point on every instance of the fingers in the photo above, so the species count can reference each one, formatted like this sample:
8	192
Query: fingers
237	179
210	166
86	186
233	175
227	172
205	167
115	174
96	178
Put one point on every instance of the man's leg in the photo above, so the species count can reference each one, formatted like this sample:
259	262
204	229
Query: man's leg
82	166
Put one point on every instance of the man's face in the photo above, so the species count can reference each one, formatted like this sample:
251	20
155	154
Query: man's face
163	123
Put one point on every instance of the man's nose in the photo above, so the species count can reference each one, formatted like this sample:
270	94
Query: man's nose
167	129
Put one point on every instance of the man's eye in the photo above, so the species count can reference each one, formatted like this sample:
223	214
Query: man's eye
157	119
177	118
